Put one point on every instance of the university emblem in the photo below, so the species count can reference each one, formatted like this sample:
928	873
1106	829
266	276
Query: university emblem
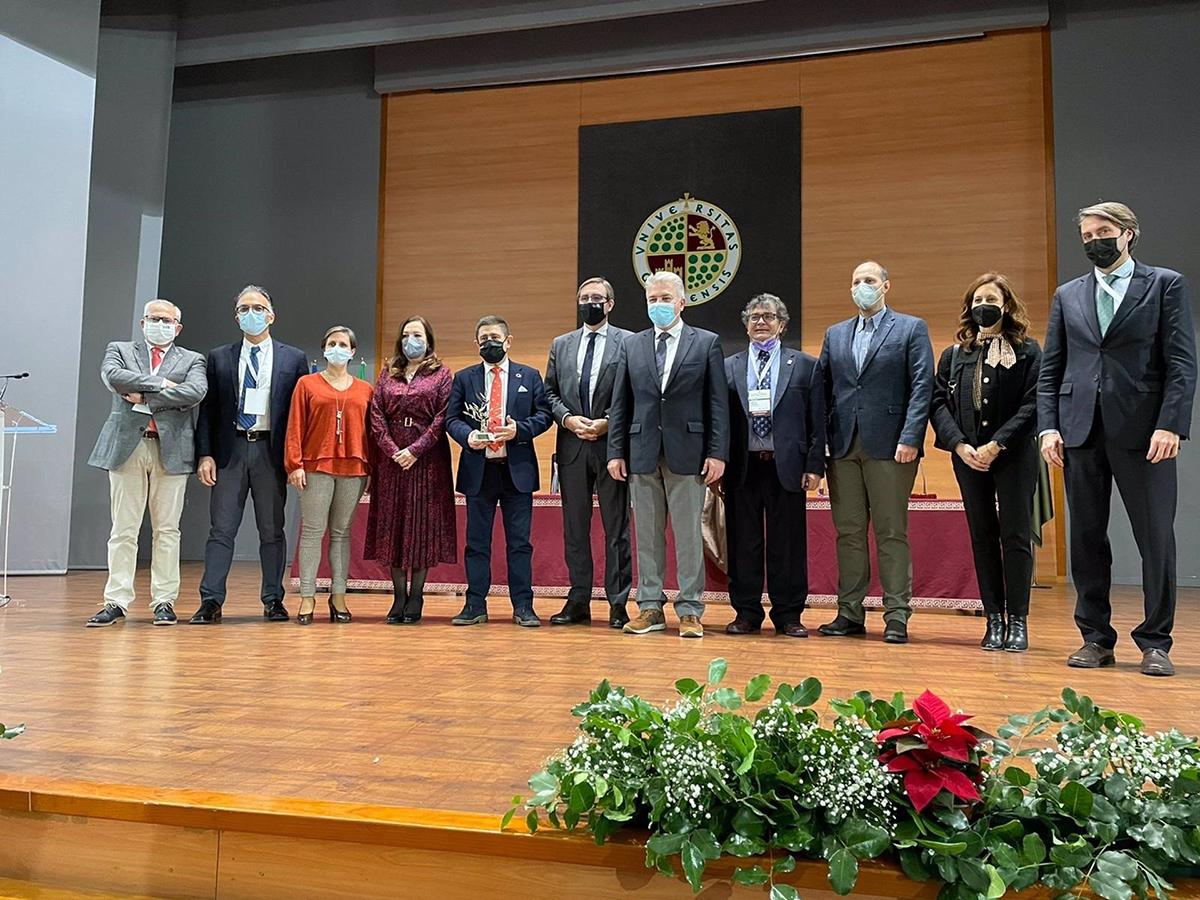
695	240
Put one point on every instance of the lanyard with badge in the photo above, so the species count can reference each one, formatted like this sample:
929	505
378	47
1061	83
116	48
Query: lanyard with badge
760	398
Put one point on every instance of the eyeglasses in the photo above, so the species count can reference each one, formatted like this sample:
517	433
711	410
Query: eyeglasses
162	320
256	308
593	298
768	318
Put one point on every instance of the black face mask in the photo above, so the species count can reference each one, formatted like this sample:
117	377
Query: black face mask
493	352
593	313
986	315
1103	252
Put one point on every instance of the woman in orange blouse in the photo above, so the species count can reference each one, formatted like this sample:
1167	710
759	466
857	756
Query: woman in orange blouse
328	462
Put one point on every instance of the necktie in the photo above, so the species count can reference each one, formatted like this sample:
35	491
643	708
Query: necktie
156	357
246	420
864	342
585	377
495	411
762	424
660	355
1104	305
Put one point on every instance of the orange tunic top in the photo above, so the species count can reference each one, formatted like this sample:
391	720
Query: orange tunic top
313	442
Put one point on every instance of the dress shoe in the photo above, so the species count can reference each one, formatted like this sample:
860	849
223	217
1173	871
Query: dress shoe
275	612
617	616
339	615
842	627
414	608
306	618
895	633
690	627
164	614
1157	662
573	613
793	629
209	613
110	615
526	618
647	620
993	638
742	626
1091	656
395	615
470	616
1016	638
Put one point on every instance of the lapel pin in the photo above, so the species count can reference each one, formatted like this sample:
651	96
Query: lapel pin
789	362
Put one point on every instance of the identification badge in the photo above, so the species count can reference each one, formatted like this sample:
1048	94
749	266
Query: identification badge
255	403
760	402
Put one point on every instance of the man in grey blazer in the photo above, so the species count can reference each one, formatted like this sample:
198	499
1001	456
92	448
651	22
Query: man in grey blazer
669	435
878	389
579	384
147	445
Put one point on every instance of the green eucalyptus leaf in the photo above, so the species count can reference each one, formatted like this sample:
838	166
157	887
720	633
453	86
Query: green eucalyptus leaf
807	692
727	698
784	692
716	671
784	892
1117	864
688	687
784	864
741	846
1109	886
1018	776
1077	801
666	844
757	688
753	876
843	871
1033	849
543	781
1076	854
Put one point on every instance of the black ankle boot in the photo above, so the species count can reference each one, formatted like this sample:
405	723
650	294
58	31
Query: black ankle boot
395	615
1016	640
994	638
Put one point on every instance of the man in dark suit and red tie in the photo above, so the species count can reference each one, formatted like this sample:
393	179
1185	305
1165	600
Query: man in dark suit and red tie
1114	400
495	411
776	454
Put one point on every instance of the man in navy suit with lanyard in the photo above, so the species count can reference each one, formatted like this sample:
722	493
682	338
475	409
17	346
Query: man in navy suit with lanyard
239	440
509	404
1114	399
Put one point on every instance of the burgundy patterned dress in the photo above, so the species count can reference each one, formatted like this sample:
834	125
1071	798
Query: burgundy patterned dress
411	525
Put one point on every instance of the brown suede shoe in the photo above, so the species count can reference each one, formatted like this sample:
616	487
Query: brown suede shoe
690	627
647	620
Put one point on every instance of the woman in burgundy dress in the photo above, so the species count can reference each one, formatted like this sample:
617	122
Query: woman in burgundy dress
412	523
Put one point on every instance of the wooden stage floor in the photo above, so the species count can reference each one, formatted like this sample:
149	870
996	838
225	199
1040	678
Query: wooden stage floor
453	719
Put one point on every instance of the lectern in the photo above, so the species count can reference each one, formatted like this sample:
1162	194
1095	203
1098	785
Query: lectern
15	422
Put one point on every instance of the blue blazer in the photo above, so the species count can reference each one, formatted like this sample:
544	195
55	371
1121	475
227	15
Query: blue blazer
1144	368
797	420
216	427
529	407
888	402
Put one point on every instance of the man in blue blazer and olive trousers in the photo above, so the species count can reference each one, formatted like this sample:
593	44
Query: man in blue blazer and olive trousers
1114	399
506	402
776	455
878	389
239	439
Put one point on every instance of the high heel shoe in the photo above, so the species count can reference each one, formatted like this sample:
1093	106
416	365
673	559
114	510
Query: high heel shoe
306	618
338	615
395	615
412	609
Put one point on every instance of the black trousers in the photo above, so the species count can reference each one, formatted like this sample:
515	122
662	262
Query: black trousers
586	474
250	472
1150	494
1001	541
516	510
765	521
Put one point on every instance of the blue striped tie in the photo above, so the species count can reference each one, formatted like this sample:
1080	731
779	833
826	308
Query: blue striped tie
245	419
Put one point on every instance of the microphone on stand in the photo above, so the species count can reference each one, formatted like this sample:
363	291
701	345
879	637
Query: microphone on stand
20	375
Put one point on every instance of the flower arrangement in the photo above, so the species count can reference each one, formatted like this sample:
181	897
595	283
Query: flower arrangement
1106	807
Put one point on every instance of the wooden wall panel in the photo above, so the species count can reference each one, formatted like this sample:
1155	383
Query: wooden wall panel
934	159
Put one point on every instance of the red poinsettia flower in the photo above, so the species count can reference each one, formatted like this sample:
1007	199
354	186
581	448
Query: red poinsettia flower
937	727
925	776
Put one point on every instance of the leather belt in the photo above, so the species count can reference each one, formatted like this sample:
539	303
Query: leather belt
255	435
763	455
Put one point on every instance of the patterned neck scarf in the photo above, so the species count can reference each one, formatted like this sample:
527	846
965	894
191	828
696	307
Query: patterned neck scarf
998	352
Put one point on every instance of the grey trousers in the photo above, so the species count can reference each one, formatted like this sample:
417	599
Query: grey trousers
656	496
872	492
328	502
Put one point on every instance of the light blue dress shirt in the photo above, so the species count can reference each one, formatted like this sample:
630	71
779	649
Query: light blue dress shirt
863	338
1124	273
752	369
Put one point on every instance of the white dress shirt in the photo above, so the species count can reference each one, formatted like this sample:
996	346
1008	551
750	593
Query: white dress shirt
672	346
265	356
601	336
488	375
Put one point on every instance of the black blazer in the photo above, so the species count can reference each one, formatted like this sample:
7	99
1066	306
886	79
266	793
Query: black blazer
1144	368
1011	394
685	424
216	426
529	408
562	385
797	419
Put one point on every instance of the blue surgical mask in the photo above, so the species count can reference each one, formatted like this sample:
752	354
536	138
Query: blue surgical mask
765	346
865	295
661	314
413	347
253	323
338	356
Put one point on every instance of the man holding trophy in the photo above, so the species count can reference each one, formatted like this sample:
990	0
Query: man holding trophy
495	412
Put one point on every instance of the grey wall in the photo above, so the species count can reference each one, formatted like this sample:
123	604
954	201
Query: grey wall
1127	127
135	71
47	93
273	180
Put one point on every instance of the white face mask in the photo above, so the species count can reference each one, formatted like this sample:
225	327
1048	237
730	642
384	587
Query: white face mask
865	295
158	333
